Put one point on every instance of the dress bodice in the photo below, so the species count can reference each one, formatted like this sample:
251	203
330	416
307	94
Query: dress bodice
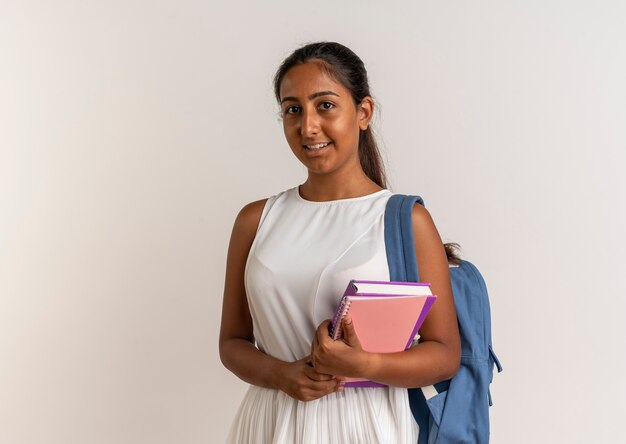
301	260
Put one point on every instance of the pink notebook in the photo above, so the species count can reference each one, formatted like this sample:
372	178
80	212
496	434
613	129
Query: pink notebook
384	322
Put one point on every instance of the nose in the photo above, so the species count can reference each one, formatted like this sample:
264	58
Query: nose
309	125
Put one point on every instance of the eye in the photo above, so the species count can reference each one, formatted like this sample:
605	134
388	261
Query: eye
327	105
291	109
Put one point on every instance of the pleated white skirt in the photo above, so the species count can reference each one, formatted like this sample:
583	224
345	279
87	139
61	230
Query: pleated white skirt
357	415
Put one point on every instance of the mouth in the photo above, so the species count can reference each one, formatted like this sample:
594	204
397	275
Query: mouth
317	146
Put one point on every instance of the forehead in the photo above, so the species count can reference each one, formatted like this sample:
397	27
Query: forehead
308	78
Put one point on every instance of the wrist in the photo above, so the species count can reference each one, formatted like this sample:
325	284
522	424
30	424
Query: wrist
372	365
276	374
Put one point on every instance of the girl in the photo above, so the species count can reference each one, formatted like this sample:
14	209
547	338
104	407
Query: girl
290	258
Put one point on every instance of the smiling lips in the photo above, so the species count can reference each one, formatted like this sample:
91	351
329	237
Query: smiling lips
317	146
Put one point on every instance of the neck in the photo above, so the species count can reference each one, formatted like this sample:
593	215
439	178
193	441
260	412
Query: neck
325	188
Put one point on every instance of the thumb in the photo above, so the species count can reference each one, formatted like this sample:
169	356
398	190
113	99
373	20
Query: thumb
349	333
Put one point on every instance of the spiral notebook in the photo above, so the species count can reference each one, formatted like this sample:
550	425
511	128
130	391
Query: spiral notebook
386	316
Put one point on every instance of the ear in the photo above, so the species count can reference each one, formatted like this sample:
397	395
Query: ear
365	112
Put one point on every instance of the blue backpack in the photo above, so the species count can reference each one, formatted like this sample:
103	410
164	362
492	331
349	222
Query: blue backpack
456	410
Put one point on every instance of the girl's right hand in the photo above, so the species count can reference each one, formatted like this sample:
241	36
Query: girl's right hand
300	381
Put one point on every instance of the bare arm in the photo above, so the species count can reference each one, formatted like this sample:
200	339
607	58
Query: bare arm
236	344
435	358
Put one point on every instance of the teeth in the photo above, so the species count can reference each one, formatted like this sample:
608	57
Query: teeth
317	146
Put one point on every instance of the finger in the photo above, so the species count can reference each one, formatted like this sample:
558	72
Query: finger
349	333
316	376
322	332
314	347
314	344
340	385
326	387
325	328
314	393
318	346
316	389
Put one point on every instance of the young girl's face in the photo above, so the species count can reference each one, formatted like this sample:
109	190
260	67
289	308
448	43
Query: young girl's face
320	119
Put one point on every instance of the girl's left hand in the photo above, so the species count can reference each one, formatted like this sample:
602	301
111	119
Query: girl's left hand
344	356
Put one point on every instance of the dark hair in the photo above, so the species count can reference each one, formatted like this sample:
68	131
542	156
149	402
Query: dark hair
343	65
347	68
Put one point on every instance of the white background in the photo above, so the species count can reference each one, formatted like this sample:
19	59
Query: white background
132	132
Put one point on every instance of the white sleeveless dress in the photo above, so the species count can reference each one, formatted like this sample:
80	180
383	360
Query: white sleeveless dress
299	264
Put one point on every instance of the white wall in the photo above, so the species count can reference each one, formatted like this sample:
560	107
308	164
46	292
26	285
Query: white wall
132	132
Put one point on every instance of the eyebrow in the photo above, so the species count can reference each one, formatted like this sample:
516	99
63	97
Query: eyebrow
311	97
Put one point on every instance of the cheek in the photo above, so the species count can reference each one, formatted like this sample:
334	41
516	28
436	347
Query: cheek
292	136
346	134
346	125
290	130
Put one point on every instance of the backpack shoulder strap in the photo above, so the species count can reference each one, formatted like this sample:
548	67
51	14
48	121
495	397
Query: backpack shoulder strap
400	248
399	238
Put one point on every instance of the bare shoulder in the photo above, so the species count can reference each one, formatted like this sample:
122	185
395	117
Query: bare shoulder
248	219
250	215
425	232
421	217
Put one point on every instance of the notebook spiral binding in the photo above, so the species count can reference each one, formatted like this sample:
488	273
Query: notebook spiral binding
335	329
